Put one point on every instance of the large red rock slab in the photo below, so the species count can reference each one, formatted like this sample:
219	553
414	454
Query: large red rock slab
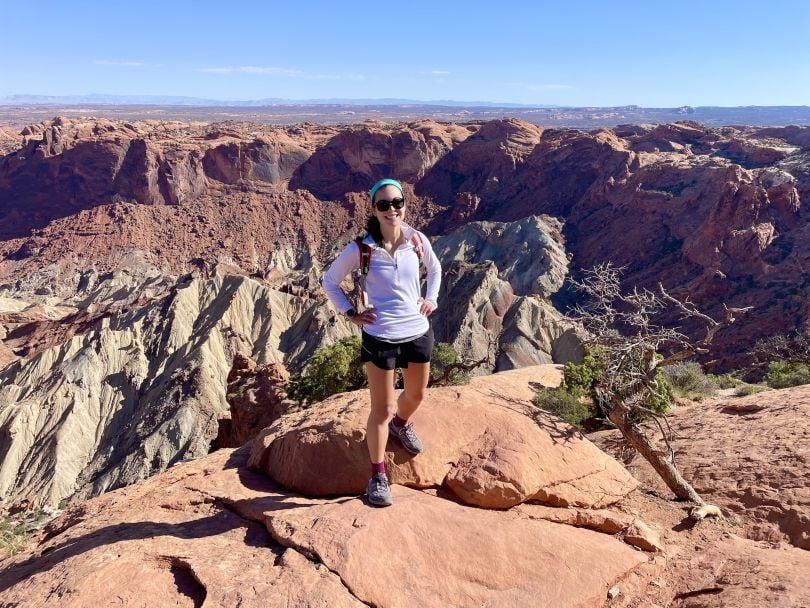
212	532
484	441
426	551
167	542
744	574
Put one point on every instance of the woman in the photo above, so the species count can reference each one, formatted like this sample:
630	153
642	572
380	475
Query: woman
396	332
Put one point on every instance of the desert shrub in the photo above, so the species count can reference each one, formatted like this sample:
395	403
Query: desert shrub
332	369
782	374
14	534
579	379
688	381
743	390
725	380
337	369
564	404
791	346
12	538
442	357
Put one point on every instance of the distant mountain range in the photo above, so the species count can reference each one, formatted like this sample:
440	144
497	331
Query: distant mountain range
170	100
17	111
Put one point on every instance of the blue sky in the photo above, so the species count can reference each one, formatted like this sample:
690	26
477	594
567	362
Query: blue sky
602	53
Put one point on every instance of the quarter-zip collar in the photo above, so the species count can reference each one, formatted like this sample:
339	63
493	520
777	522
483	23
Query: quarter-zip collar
407	232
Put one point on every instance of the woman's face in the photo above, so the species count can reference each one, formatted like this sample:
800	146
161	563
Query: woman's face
390	217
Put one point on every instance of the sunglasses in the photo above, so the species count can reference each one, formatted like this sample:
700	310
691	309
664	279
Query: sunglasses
396	203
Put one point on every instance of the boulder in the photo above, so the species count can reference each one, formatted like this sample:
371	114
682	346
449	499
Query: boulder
491	449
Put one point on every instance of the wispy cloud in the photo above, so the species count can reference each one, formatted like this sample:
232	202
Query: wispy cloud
275	71
252	69
342	76
439	72
122	64
541	87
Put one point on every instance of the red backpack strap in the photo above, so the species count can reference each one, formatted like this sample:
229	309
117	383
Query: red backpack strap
418	247
365	255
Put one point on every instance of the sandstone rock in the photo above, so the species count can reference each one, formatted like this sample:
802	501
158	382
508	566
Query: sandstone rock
535	333
479	162
213	531
642	536
486	265
358	157
257	398
474	327
529	253
715	213
272	160
490	449
741	573
167	543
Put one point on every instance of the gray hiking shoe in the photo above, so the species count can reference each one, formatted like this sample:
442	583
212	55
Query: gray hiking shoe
379	492
407	436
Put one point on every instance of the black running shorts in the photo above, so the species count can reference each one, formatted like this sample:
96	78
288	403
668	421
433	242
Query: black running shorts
387	355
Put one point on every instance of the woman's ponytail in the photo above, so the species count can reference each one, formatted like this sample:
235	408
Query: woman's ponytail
373	227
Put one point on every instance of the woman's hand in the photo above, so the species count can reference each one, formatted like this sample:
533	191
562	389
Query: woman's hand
426	307
367	317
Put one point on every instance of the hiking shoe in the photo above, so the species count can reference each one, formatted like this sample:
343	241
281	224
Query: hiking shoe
379	492
407	436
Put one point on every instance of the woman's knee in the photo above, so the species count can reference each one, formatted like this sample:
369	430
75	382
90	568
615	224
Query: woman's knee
380	413
414	394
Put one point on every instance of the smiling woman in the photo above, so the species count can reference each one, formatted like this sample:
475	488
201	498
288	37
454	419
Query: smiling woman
396	332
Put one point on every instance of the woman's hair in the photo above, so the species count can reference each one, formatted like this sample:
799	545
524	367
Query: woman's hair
373	227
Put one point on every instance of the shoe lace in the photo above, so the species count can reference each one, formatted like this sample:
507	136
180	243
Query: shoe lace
409	433
381	482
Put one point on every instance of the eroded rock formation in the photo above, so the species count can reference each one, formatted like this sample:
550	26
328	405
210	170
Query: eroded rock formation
100	220
142	390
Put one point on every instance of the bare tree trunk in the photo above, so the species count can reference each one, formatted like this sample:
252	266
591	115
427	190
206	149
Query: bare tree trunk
661	463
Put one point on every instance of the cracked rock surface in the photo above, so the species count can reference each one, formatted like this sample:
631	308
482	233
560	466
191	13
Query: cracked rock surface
212	532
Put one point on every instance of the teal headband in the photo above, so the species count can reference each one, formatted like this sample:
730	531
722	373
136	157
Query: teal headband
382	183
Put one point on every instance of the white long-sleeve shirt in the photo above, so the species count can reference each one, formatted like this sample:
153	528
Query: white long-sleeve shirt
392	285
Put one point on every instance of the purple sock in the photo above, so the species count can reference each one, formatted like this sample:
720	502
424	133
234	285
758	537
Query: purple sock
377	467
400	422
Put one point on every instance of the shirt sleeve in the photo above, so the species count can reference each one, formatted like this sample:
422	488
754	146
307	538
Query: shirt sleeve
348	260
434	271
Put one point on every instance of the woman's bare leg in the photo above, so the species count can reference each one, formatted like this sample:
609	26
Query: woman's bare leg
383	406
415	377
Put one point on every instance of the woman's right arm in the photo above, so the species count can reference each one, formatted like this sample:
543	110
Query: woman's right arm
348	260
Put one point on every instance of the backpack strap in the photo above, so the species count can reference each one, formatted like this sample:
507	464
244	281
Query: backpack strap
418	246
365	255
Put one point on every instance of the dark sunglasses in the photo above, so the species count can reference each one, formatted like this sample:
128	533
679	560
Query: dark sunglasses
396	203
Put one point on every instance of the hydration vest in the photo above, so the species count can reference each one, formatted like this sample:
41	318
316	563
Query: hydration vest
365	265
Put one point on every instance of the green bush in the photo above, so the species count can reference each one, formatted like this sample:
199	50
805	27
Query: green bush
726	380
579	379
332	369
743	390
444	355
13	536
782	374
564	404
687	380
337	369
